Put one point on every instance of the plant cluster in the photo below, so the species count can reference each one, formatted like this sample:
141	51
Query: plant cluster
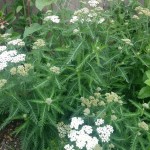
63	73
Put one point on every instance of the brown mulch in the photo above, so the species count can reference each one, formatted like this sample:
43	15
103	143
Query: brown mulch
7	140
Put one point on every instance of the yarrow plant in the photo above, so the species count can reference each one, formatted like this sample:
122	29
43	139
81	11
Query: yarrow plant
67	55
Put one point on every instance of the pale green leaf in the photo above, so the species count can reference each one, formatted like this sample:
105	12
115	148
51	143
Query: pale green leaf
33	28
147	82
18	8
144	92
40	4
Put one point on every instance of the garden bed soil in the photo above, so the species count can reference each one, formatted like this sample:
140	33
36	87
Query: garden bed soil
7	140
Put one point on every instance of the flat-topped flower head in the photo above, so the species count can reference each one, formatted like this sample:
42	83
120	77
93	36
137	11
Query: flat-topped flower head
93	3
105	132
69	147
75	122
2	48
16	42
53	18
99	122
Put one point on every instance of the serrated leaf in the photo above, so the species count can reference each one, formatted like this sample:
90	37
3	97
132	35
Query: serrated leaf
33	28
40	4
144	92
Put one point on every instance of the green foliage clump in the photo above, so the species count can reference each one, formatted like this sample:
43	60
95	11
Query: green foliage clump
68	55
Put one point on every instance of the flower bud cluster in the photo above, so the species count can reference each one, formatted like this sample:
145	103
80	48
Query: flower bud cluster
143	125
63	129
38	44
21	69
97	99
55	70
113	97
127	41
2	82
142	11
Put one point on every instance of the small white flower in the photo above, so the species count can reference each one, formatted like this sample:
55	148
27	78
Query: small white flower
75	31
3	65
87	129
3	48
101	20
69	147
74	19
18	58
75	122
105	132
99	122
145	105
93	3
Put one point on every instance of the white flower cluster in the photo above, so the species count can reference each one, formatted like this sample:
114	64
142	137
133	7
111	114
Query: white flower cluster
3	48
82	134
82	137
16	42
105	131
93	3
69	147
38	44
89	15
63	129
75	122
10	56
52	18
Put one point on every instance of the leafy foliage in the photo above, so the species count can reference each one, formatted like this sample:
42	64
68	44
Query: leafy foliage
67	59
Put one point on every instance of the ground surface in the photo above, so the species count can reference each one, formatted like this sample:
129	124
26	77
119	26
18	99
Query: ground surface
7	140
